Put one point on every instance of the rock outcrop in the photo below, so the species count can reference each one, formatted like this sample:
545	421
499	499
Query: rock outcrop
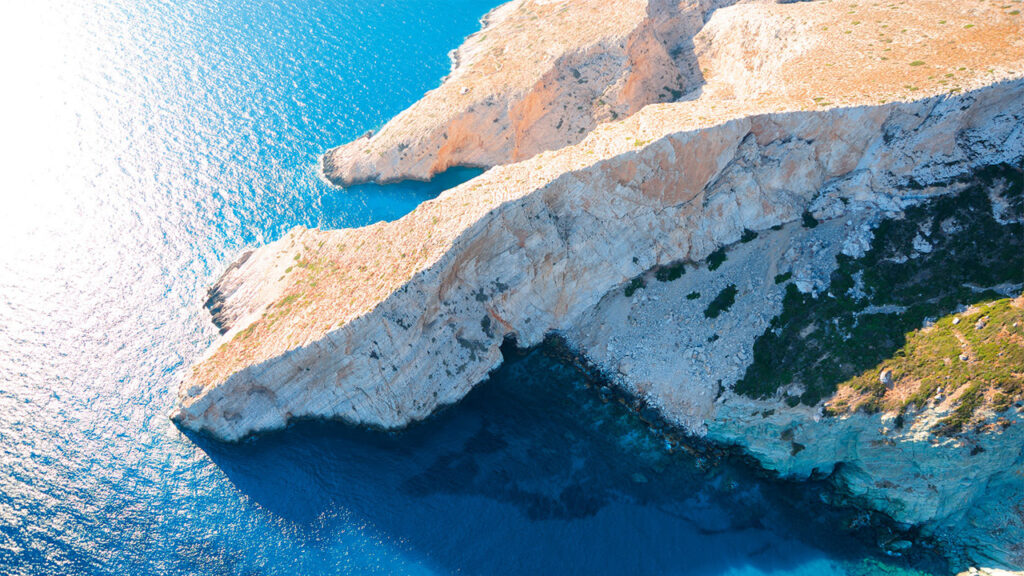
539	76
542	74
785	112
966	491
658	343
378	328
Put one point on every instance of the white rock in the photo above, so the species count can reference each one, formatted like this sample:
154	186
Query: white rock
885	377
921	245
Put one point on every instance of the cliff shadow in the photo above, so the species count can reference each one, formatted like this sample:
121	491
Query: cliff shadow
536	472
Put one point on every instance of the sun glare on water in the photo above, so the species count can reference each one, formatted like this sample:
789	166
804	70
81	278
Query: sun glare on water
87	169
64	171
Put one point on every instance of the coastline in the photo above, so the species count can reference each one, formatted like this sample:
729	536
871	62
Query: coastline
383	325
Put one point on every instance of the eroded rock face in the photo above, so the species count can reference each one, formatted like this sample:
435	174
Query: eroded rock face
682	361
967	491
539	260
543	74
539	76
658	343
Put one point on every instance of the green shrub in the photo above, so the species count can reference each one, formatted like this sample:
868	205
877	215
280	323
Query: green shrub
670	273
725	299
634	285
717	258
828	341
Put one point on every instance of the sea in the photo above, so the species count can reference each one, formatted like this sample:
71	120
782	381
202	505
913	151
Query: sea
144	145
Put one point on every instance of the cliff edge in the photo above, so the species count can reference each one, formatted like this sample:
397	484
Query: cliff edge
539	76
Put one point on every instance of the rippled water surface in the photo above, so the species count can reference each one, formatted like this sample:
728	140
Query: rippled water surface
144	144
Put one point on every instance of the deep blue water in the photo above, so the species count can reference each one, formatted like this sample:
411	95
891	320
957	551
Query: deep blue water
145	143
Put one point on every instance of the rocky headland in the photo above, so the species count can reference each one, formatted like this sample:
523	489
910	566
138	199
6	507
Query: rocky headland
795	228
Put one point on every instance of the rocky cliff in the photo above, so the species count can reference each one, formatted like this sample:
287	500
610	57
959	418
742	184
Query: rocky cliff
539	76
926	455
782	116
542	74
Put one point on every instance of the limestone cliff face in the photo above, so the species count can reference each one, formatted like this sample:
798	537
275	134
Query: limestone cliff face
967	491
539	76
542	74
658	344
541	256
789	108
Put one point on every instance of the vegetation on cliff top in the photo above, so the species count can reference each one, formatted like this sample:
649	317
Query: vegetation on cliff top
974	358
941	256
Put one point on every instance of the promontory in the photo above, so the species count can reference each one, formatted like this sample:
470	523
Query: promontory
796	228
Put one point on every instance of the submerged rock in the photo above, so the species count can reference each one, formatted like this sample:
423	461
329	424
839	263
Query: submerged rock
898	547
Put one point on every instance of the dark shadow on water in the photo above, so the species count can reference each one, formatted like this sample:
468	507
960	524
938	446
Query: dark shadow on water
534	473
387	202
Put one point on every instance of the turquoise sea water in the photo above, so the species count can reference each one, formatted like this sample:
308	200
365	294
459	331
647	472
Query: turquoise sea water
145	144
